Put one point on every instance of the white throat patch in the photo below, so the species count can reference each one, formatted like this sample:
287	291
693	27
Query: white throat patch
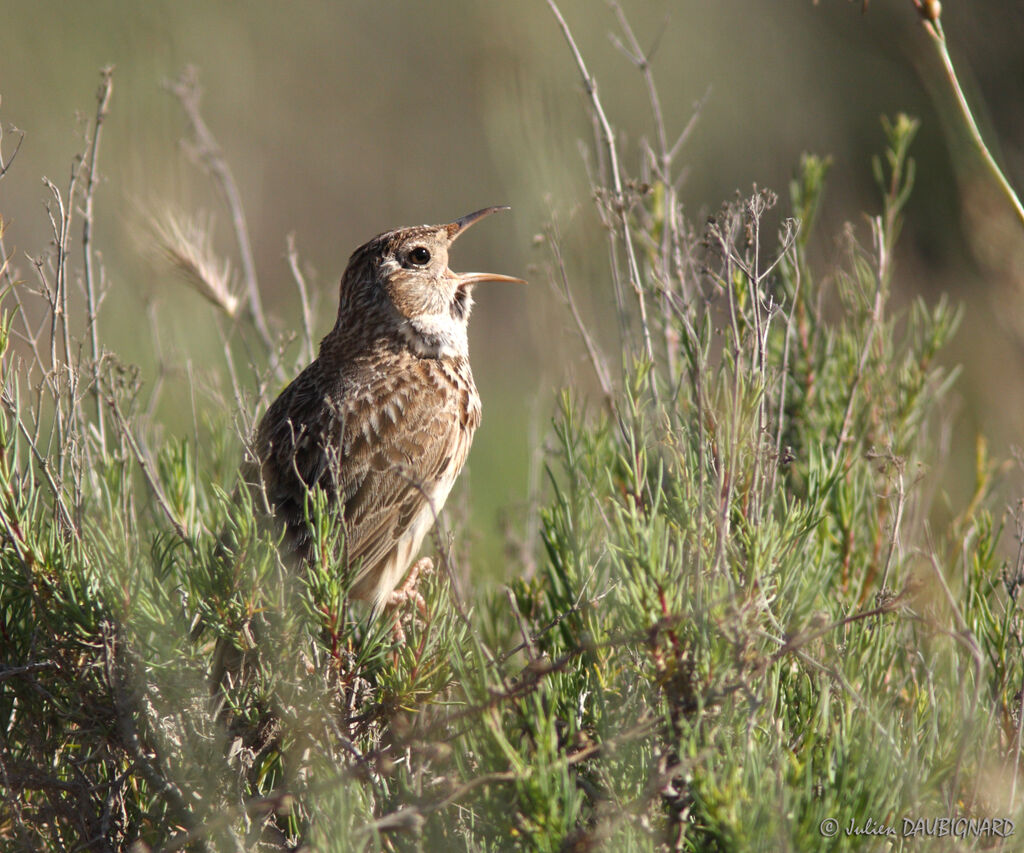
435	336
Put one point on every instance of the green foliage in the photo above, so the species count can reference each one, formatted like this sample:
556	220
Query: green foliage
742	622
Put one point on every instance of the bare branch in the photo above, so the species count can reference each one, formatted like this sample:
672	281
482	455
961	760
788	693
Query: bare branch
188	92
7	672
639	58
608	136
146	465
4	166
102	102
307	313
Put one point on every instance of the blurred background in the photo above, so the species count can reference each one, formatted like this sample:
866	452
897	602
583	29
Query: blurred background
343	119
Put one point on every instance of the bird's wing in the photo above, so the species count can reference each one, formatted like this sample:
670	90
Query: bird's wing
295	442
404	445
379	449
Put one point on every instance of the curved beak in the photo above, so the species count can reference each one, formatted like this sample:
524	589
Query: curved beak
456	228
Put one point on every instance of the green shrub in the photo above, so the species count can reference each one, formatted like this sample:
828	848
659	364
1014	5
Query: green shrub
742	623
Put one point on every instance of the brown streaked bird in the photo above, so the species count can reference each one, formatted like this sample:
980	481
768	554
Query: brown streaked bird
383	418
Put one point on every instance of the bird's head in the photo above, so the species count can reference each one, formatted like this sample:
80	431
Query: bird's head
405	274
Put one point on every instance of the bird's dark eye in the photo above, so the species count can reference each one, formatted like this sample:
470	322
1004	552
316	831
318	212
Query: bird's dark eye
420	256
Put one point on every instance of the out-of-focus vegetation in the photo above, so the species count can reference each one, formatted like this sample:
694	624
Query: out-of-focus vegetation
744	600
344	119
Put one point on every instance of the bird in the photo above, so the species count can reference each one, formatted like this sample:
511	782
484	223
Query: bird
382	420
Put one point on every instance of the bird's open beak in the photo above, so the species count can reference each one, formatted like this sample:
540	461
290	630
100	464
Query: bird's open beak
473	277
456	228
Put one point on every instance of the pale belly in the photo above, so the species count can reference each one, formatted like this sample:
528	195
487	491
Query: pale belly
408	545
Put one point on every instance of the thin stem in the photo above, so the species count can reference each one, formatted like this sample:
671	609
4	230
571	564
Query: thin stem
147	470
600	369
662	164
894	539
881	270
784	372
608	136
4	166
938	37
307	312
186	89
10	403
103	99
